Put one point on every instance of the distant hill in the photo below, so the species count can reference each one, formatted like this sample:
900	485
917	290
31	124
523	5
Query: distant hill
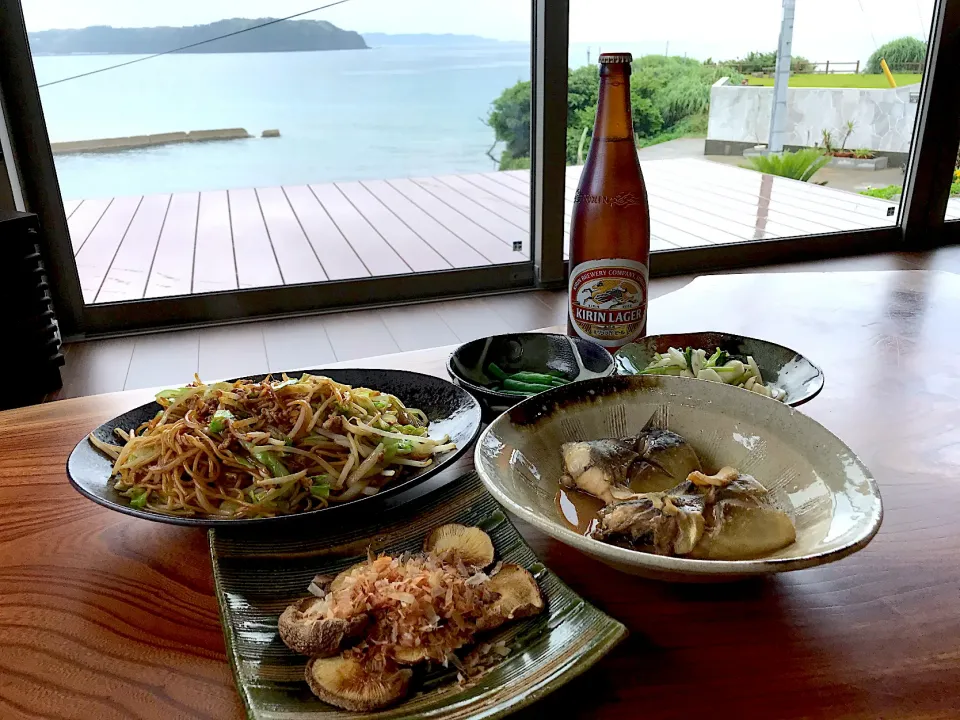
382	39
287	36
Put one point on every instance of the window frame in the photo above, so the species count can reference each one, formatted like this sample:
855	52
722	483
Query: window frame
32	160
929	174
951	233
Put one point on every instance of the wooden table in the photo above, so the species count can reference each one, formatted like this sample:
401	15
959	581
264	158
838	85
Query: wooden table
103	616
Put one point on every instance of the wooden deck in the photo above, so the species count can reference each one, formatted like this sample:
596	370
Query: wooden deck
150	246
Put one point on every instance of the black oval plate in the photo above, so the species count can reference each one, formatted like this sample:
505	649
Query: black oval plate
779	365
451	410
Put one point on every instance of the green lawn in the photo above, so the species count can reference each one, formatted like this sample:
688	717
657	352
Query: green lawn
842	80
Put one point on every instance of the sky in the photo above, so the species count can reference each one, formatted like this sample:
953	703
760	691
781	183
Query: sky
837	30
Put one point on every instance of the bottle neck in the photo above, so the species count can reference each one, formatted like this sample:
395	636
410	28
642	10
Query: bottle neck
614	121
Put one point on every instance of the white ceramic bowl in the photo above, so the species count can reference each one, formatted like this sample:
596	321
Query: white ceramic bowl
811	474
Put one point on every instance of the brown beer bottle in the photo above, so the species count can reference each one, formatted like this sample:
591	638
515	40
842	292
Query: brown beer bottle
610	227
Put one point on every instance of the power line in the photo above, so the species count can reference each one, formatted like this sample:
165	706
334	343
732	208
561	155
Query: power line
193	45
869	28
923	27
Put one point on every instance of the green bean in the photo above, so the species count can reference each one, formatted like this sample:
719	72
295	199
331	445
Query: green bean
534	377
496	372
511	384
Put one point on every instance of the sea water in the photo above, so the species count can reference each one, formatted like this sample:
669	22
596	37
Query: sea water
389	112
342	115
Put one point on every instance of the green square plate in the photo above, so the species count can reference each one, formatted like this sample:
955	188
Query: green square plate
257	576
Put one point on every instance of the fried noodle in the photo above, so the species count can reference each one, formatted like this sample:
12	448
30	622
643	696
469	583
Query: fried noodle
246	449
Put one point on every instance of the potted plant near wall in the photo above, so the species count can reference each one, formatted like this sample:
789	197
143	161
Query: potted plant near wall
860	159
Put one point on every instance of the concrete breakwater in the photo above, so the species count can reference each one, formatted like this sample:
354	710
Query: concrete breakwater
142	141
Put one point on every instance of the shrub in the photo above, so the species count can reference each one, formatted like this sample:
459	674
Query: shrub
510	120
756	61
687	96
760	61
582	112
848	128
884	193
898	54
826	137
799	165
863	154
799	64
669	97
514	163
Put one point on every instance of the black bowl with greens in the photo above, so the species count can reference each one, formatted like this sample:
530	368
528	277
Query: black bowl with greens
792	378
502	370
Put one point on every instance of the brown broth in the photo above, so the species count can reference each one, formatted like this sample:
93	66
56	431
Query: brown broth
578	509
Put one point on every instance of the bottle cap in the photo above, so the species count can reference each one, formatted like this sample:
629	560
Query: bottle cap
615	58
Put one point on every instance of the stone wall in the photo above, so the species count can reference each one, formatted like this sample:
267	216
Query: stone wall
740	117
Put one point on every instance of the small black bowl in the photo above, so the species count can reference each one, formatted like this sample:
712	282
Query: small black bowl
576	359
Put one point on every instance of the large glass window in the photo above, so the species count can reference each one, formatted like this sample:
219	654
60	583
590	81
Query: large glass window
728	156
347	143
335	157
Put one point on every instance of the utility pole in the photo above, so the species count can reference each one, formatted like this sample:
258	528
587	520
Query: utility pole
778	114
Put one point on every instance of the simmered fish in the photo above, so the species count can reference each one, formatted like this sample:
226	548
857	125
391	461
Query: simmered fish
667	524
720	517
668	452
740	531
658	499
618	469
598	467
